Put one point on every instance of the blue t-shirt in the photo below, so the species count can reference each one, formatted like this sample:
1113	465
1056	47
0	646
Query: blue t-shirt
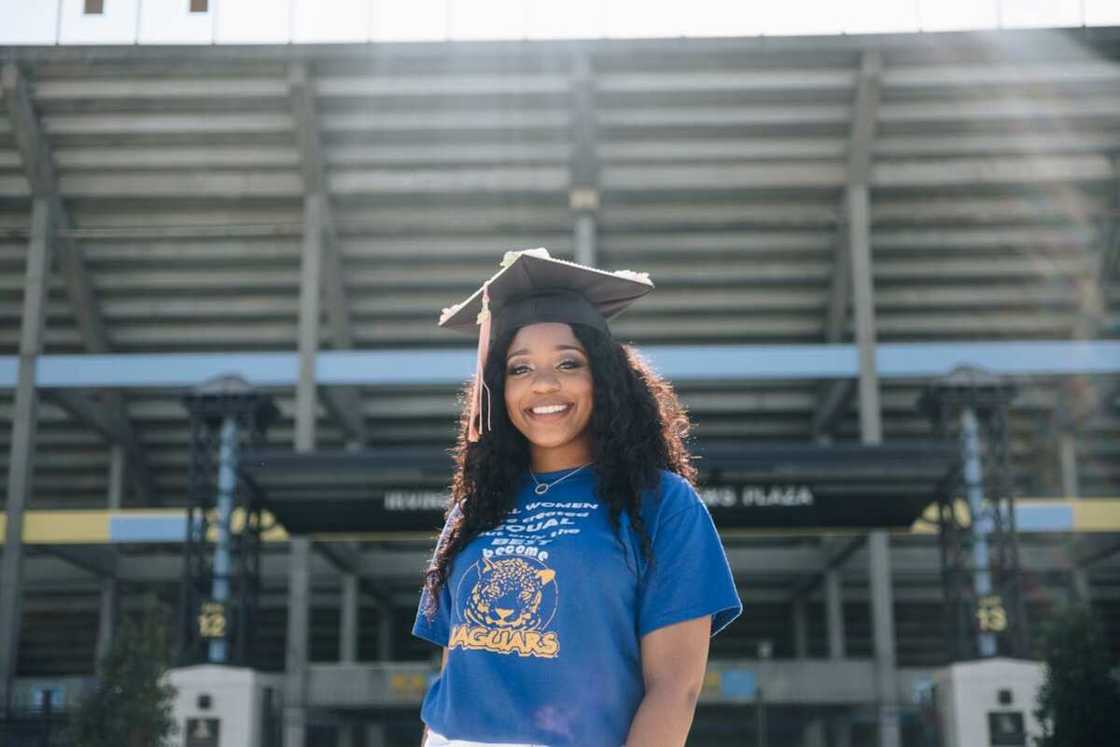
543	615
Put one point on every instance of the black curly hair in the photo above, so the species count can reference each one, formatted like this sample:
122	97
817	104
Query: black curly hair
638	427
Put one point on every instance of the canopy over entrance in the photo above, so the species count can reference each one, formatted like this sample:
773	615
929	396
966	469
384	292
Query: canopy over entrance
775	486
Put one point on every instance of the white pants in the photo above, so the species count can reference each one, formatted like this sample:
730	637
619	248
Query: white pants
435	739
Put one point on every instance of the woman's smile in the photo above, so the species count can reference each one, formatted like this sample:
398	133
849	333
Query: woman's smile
550	413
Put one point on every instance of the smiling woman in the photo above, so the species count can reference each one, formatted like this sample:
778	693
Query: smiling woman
577	471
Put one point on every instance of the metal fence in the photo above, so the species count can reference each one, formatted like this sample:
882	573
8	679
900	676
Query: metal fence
35	728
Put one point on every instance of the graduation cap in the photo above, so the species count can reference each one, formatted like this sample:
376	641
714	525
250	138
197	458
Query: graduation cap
533	287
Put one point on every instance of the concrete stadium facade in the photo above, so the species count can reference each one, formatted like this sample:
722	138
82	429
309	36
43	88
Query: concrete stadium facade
926	196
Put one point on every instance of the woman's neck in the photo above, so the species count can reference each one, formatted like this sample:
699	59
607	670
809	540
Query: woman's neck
568	456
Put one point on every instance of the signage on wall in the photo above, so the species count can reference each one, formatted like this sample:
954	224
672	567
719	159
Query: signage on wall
1006	729
212	622
785	496
991	615
203	732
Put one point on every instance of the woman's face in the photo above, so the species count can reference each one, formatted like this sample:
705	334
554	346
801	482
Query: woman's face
547	367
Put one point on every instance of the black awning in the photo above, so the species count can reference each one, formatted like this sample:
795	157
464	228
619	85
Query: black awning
776	486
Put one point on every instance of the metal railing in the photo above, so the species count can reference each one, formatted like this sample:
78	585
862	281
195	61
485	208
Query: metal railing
35	727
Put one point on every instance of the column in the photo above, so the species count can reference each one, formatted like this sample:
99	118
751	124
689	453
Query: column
842	731
349	733
299	568
857	201
1080	588
110	588
385	632
812	734
106	618
348	620
116	477
295	661
800	629
834	613
583	197
882	628
375	735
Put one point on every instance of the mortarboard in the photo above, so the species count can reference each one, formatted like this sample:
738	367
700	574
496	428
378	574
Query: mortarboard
533	287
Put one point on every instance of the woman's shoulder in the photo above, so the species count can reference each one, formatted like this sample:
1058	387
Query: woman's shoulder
675	494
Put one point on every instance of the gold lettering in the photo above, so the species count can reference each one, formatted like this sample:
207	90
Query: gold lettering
549	646
521	642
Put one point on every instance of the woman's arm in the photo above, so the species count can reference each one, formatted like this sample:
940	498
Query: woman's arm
442	664
673	662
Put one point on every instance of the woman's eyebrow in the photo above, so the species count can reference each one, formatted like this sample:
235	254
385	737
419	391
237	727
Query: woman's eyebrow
525	351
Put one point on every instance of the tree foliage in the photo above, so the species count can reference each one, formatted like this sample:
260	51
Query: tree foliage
1079	702
132	704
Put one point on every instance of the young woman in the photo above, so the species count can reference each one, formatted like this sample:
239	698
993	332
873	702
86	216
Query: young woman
578	576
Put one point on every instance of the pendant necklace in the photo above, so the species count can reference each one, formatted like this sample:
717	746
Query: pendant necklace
542	487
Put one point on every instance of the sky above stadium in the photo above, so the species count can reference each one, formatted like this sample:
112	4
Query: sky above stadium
548	19
316	21
457	19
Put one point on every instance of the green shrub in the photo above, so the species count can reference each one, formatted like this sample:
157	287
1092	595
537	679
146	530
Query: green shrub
1079	702
132	704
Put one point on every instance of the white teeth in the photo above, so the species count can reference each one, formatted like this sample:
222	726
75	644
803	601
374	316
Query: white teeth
549	409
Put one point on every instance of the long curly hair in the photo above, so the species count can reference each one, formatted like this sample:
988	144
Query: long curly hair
637	425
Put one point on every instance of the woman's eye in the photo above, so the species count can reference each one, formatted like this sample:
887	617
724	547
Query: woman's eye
515	370
570	363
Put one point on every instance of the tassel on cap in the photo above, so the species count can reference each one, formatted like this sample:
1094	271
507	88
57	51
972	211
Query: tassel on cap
474	432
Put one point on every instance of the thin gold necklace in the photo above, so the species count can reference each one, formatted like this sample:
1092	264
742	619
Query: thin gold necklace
542	487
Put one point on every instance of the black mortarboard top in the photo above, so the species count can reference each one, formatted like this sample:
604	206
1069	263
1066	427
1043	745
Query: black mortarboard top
533	287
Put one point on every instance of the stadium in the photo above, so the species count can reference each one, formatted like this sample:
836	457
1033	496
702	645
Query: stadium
888	292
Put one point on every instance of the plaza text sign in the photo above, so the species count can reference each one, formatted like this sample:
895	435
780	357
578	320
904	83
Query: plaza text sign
753	505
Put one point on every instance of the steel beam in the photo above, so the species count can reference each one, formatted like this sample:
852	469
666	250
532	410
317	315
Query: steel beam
39	169
451	366
82	595
21	460
1098	556
392	568
835	553
668	178
97	560
105	417
345	406
347	559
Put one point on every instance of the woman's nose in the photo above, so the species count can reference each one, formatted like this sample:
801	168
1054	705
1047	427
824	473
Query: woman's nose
545	381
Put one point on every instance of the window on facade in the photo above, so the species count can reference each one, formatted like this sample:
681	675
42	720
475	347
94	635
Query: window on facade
94	7
200	6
